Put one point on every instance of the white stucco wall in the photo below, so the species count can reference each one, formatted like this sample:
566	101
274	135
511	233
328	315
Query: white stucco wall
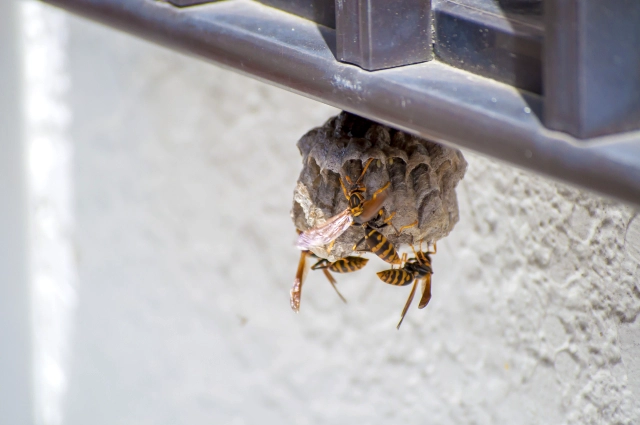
182	177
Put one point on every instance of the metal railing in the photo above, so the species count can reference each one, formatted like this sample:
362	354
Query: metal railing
483	83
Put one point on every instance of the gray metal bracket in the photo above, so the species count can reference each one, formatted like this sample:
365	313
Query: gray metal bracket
378	34
321	12
592	66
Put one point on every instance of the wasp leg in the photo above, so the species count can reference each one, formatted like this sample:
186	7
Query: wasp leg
374	222
401	262
415	223
379	191
323	263
385	221
355	247
408	303
364	238
388	221
333	282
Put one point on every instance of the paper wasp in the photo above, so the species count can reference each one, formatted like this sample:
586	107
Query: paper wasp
358	211
414	270
344	265
377	243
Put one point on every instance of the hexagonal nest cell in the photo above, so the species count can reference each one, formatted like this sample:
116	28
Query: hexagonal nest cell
423	177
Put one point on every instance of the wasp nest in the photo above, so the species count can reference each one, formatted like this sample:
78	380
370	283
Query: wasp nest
423	177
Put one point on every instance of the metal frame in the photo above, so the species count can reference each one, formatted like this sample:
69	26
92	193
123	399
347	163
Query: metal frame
379	34
592	63
321	12
432	99
477	36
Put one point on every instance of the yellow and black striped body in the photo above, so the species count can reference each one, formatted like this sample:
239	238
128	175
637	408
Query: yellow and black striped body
414	270
379	245
343	265
348	264
425	271
396	277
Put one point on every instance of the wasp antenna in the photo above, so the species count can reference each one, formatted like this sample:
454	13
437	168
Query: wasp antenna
344	189
388	221
323	263
364	170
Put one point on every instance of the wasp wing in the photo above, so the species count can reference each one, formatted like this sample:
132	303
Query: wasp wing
296	289
371	207
325	233
426	291
406	306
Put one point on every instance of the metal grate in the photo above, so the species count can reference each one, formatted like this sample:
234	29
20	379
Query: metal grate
483	91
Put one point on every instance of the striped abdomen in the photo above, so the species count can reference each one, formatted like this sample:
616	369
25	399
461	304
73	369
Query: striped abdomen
348	264
381	246
397	277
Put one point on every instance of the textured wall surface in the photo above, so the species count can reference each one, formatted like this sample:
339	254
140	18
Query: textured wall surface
183	177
